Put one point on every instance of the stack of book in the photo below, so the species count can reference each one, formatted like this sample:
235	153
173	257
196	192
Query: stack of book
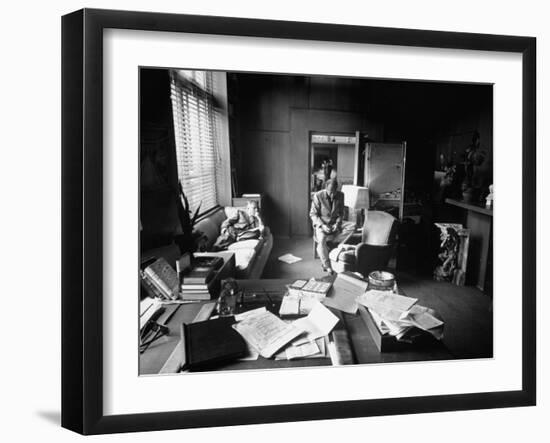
302	296
196	282
160	280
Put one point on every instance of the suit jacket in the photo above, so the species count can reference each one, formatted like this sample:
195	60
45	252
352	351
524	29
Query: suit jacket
325	211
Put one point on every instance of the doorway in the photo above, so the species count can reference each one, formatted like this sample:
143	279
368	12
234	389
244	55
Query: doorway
332	156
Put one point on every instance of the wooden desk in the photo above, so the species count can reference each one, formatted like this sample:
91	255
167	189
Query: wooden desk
268	293
479	220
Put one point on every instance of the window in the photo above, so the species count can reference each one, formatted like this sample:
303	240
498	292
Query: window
196	127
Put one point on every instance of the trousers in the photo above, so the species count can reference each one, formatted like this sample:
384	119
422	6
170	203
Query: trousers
322	239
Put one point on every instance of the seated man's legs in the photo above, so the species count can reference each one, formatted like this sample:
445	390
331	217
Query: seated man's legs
347	229
322	238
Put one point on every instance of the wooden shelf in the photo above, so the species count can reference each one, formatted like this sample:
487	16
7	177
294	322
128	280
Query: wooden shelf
470	206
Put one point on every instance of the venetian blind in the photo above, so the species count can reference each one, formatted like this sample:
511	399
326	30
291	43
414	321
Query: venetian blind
194	114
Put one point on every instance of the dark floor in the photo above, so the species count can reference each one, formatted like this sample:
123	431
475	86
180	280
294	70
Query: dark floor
470	340
299	246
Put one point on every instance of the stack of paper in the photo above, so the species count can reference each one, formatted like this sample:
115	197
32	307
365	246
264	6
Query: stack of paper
270	336
396	314
302	296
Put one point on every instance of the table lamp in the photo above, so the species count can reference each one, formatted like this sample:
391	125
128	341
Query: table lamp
356	198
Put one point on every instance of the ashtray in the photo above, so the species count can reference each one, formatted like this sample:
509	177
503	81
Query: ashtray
381	280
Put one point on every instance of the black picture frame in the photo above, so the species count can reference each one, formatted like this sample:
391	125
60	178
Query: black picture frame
82	217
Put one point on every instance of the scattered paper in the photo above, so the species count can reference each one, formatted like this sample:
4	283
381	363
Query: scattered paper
304	351
345	291
289	258
267	333
421	317
307	303
395	328
244	315
319	322
386	304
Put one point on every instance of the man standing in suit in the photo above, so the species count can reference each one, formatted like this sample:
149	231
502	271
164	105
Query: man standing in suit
327	211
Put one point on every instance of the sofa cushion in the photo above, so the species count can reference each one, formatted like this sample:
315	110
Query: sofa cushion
245	244
243	258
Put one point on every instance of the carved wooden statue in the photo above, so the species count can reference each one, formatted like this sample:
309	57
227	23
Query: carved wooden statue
454	253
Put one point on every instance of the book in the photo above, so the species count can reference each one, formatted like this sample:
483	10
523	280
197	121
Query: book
195	295
163	277
199	275
208	260
150	289
316	288
211	342
290	306
193	287
295	287
297	305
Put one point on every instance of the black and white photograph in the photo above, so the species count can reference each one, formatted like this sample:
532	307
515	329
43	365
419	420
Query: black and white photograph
262	222
291	221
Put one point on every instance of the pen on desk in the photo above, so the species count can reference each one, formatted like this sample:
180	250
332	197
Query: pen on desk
268	297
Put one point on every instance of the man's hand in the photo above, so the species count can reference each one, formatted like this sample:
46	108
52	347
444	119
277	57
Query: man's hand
326	229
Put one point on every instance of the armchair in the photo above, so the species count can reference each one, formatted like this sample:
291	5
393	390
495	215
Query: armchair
371	249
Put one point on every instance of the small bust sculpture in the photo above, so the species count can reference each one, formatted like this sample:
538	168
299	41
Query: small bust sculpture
489	199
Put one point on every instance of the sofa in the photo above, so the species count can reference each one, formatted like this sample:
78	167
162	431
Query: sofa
250	255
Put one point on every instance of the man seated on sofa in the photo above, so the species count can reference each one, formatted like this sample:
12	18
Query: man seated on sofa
327	211
244	225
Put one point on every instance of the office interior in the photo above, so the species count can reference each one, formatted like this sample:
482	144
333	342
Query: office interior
274	131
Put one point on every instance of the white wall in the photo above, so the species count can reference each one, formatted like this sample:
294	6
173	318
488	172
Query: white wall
30	232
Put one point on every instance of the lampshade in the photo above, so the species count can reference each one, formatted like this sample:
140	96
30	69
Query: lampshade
356	197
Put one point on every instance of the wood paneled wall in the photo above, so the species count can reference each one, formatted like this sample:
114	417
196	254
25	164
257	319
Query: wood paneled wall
273	119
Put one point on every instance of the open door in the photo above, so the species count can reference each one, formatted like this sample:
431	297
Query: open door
359	158
384	175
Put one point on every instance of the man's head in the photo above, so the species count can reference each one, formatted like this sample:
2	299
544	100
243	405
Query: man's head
252	207
331	186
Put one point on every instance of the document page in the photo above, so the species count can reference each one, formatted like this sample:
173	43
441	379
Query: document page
314	349
319	322
267	332
421	317
247	314
388	305
345	291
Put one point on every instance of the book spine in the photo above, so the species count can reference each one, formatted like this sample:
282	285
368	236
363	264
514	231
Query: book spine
317	295
195	296
149	287
157	281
